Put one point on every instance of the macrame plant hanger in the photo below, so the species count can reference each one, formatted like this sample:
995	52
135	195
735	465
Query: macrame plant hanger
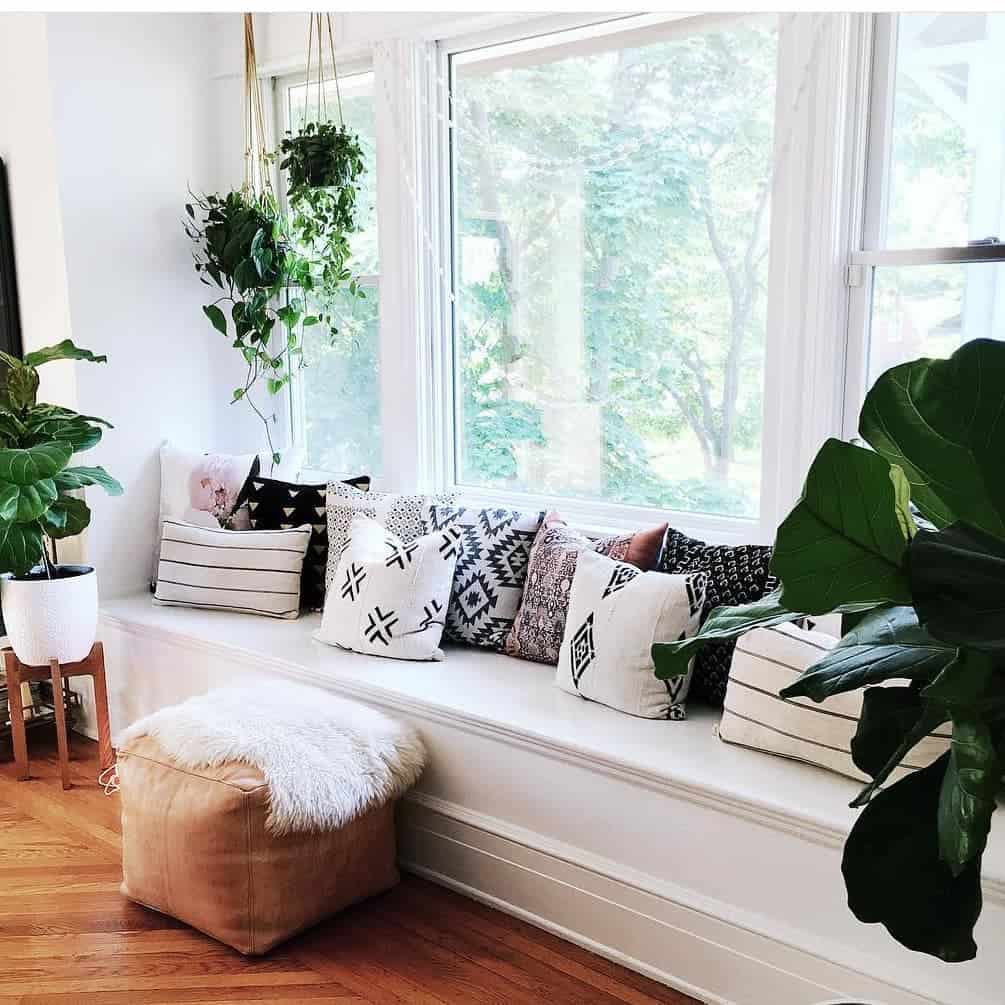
257	175
321	24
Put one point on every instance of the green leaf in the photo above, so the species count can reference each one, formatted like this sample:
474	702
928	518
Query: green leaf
75	478
217	318
845	540
893	721
672	658
888	643
67	517
967	799
64	350
20	547
957	578
78	432
942	422
28	466
26	503
895	876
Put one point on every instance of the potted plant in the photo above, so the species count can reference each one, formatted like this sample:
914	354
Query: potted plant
50	610
907	541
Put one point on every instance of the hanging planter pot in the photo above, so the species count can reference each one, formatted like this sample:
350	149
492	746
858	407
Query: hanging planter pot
321	155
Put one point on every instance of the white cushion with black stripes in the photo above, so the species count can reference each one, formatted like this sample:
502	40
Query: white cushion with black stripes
765	661
250	571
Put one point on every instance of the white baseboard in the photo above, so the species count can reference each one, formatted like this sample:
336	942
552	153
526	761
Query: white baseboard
698	946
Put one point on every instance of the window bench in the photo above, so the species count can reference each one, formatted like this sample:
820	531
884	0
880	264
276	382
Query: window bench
707	866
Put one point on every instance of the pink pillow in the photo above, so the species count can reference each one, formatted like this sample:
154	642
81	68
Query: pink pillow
540	623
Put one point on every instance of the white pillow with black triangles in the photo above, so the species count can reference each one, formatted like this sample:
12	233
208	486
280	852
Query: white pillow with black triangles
389	597
616	613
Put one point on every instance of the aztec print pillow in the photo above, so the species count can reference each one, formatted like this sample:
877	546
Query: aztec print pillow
737	574
616	613
489	578
402	515
540	623
278	505
389	597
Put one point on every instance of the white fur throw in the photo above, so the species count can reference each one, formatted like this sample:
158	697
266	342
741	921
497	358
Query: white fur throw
326	760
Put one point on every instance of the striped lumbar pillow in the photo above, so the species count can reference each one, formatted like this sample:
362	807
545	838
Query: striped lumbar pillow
253	571
765	661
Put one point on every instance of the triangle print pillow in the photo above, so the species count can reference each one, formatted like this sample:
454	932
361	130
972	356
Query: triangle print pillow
616	613
389	597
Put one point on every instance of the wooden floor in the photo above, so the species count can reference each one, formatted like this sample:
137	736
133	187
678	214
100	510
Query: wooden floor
68	936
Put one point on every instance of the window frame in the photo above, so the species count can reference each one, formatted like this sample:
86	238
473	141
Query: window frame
584	34
291	416
869	253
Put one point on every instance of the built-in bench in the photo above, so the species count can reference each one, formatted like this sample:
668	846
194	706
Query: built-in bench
711	867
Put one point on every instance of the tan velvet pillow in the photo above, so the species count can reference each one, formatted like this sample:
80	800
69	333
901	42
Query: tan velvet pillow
540	623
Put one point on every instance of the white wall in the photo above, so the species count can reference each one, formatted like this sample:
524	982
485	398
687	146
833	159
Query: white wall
134	127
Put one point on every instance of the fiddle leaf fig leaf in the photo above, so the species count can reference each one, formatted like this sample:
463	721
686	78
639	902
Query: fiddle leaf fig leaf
967	799
895	875
957	578
672	658
63	350
888	643
20	547
26	466
28	502
76	478
67	517
76	430
845	540
942	422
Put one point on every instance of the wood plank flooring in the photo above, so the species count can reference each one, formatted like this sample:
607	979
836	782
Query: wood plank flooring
67	936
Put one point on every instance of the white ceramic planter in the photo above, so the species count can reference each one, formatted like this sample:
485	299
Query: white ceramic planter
51	619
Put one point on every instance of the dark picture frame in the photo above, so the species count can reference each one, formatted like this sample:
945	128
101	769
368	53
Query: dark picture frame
10	313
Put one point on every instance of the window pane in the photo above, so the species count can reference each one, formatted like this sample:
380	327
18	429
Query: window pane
338	393
931	310
612	216
341	393
947	164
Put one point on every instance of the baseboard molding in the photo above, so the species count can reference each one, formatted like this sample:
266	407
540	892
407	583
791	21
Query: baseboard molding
694	944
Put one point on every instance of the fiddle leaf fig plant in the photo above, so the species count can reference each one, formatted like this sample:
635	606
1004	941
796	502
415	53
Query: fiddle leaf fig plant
37	443
907	541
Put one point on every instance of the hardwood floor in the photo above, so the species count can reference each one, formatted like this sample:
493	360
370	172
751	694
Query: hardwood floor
68	936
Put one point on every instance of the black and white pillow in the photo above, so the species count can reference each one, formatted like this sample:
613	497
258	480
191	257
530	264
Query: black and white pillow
252	571
389	597
737	574
402	515
274	504
490	575
616	613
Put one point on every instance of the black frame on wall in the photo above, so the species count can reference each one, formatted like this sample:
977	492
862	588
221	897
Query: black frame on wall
10	313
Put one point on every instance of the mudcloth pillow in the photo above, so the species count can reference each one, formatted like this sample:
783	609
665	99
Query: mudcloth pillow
389	597
737	574
616	613
278	505
489	579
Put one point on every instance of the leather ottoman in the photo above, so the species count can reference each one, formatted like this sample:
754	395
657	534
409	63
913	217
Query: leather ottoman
195	846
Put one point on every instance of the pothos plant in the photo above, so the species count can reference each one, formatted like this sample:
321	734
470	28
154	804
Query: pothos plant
37	481
907	541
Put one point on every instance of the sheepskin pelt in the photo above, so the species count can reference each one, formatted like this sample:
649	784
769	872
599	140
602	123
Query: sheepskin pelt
326	760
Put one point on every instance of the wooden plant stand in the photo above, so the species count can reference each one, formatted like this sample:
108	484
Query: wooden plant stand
93	665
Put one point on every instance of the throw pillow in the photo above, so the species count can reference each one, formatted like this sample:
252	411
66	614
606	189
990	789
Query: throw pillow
389	597
489	578
737	574
402	515
279	505
253	571
540	623
616	613
765	661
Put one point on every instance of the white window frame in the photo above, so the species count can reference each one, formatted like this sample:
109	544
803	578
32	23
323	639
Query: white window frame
869	253
290	417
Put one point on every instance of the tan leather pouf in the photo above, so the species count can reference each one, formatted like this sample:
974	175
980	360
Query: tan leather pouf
195	846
